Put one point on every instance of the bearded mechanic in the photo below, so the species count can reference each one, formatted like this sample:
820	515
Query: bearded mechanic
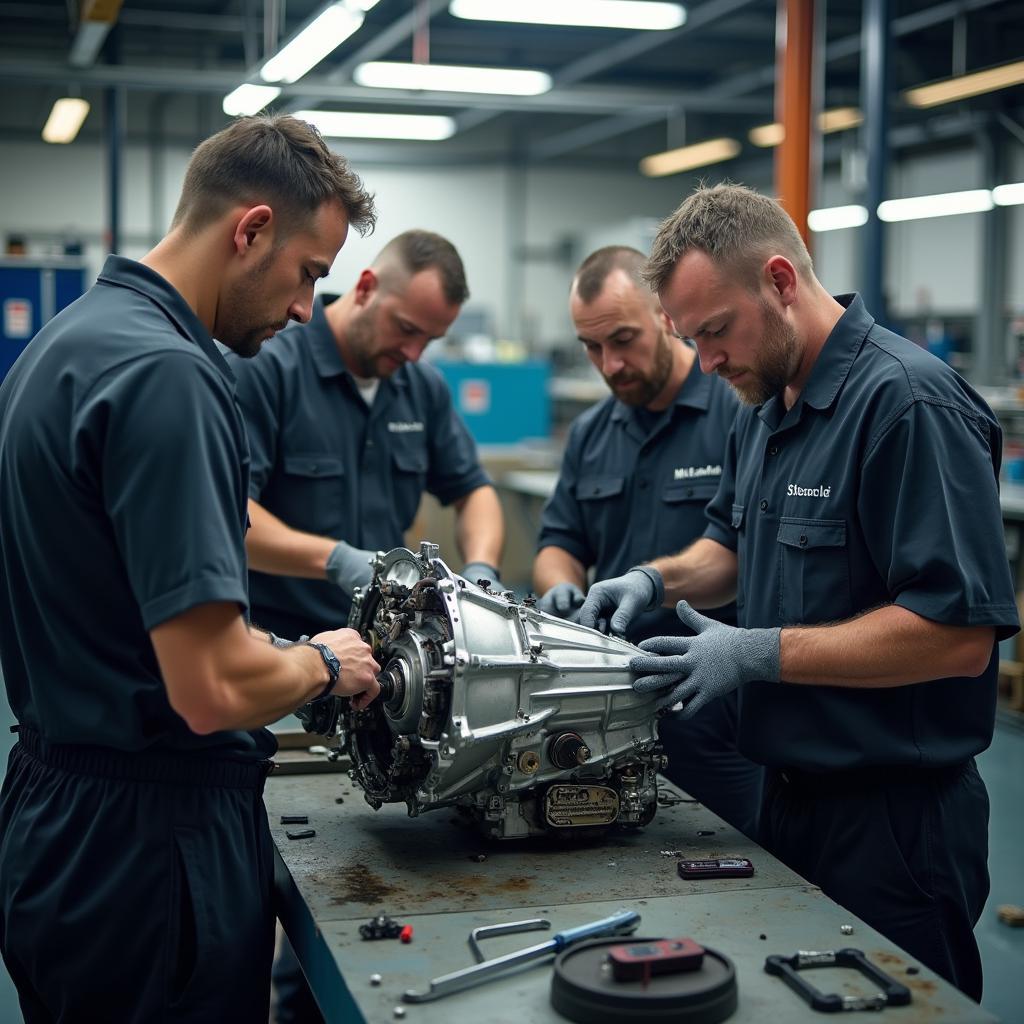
858	526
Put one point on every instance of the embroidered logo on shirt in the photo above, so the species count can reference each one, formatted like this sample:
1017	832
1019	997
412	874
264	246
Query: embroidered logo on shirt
406	427
821	491
690	472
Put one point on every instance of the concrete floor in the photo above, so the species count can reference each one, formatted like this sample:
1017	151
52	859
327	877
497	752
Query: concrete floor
1002	948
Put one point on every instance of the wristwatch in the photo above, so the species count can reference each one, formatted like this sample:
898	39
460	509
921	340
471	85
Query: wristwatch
333	668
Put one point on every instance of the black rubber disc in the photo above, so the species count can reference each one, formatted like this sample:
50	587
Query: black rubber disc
583	989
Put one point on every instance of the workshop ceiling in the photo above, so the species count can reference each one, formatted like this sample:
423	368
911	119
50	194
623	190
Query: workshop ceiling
617	97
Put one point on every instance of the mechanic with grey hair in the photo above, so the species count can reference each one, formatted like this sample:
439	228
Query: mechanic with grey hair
638	469
858	526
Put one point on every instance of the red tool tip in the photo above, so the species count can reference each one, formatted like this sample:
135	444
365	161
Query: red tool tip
405	935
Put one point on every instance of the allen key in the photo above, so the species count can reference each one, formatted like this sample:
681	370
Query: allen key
488	930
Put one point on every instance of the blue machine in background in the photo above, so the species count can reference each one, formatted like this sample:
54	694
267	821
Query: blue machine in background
31	292
502	403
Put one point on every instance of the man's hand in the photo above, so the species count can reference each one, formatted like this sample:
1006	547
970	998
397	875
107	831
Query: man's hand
563	600
640	590
349	567
711	664
359	670
475	571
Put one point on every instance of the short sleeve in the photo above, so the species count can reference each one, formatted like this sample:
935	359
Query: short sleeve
170	450
454	469
721	512
929	508
258	393
562	525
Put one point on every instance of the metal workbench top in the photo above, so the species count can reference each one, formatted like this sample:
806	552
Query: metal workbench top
424	872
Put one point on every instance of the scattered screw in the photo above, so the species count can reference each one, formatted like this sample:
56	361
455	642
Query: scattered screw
375	979
846	929
339	799
399	1011
294	819
706	832
913	970
478	857
762	936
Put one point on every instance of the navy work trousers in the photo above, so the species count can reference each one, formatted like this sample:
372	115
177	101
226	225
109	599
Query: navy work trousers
135	888
906	850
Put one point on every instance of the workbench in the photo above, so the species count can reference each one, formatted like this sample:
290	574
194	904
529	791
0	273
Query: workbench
440	876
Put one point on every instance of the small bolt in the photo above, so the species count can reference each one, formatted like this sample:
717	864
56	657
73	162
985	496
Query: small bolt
399	1011
375	979
706	832
479	858
913	970
762	936
846	929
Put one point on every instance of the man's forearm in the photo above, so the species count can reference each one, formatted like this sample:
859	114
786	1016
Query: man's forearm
480	526
886	647
274	547
554	565
704	574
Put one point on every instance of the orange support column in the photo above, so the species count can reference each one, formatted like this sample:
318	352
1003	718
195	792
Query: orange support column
794	101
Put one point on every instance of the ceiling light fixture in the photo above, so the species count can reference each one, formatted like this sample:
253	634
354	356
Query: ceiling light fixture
686	158
346	125
382	74
965	86
1008	195
327	31
65	119
946	204
836	120
629	14
834	218
249	99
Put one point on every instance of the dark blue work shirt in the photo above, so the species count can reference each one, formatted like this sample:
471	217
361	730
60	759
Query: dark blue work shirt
878	487
630	491
123	486
325	463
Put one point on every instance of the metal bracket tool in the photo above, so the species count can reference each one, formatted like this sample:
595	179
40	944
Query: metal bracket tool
511	928
785	967
620	923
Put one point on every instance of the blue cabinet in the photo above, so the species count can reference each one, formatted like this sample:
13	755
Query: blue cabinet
31	292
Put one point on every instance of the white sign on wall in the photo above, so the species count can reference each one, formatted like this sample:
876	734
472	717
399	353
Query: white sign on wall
17	318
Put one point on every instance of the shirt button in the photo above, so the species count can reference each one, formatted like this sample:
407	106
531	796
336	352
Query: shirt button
774	450
689	492
763	506
803	540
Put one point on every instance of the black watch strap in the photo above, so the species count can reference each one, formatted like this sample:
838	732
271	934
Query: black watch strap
333	668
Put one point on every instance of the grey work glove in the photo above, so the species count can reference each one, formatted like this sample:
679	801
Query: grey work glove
475	571
563	600
641	590
349	567
711	664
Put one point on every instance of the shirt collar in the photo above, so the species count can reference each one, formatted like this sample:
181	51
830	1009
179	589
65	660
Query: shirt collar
126	273
832	366
694	393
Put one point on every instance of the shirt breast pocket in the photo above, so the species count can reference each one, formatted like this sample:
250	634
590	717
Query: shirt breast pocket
681	519
312	495
410	481
814	578
600	499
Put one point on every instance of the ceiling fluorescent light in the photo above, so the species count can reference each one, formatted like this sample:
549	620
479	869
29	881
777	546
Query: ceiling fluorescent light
1008	195
964	86
382	74
249	99
629	14
323	34
346	125
686	158
836	120
944	205
834	218
65	119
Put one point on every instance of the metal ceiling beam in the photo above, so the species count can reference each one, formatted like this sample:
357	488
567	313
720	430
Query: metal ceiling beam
226	23
95	20
587	100
751	81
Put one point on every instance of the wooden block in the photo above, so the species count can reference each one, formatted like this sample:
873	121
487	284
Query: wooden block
1011	914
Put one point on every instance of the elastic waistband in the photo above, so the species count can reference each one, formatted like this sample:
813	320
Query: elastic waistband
859	780
174	769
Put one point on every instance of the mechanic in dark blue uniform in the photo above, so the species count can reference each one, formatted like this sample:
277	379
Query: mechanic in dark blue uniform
638	470
347	430
135	858
858	524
